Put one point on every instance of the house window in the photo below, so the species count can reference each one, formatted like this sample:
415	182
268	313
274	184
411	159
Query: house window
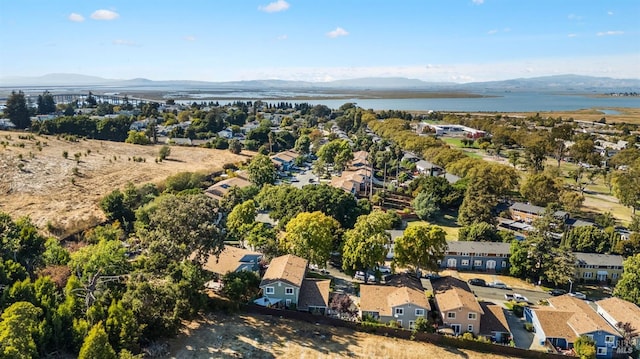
399	321
419	312
412	324
451	315
472	316
269	290
465	262
588	275
477	263
399	311
602	351
609	339
470	328
287	302
288	291
614	275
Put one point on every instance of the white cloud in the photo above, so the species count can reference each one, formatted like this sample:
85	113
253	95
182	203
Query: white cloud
276	6
104	15
282	37
572	35
609	33
478	2
337	32
121	42
189	38
609	13
574	17
492	32
76	17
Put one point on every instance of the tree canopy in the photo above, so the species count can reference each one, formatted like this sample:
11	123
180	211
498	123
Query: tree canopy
420	247
367	244
311	236
628	287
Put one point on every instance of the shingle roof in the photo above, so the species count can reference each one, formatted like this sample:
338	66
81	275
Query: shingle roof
382	298
231	259
598	259
479	247
493	319
219	189
527	208
455	298
622	311
584	319
314	293
289	268
554	323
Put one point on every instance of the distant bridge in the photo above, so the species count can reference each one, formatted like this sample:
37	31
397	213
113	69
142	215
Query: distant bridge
114	99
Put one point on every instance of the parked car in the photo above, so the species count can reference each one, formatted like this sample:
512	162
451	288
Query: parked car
578	295
557	292
516	297
477	281
360	276
385	269
498	285
431	275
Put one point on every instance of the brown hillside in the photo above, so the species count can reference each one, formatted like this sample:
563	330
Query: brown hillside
37	181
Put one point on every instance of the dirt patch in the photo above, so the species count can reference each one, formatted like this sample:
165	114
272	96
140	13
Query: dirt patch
258	336
36	180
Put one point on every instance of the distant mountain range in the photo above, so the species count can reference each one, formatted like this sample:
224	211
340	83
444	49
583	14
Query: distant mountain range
573	83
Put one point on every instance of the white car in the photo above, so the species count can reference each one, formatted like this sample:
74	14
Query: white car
385	269
360	276
498	285
578	295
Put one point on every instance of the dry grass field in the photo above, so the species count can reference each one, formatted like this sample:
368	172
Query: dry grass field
258	336
37	181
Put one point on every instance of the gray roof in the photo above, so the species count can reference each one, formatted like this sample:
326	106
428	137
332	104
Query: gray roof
451	178
599	259
479	247
527	208
426	164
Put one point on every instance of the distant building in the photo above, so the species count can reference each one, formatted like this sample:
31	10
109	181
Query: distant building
595	267
476	256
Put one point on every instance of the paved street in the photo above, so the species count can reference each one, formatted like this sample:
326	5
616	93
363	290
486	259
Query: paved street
497	295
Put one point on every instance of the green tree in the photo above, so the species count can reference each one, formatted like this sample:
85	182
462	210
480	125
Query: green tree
184	181
96	345
311	236
19	330
571	201
337	153
479	232
172	228
585	347
240	286
366	245
626	186
235	146
241	219
262	171
16	110
122	327
541	189
562	268
46	104
137	138
420	247
164	152
426	205
628	287
303	144
54	253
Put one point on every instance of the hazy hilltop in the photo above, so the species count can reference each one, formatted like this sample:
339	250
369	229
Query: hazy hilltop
574	83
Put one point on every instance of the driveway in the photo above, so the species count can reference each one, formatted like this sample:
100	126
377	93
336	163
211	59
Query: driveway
304	177
521	336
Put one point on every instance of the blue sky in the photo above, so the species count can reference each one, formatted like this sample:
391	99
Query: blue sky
320	40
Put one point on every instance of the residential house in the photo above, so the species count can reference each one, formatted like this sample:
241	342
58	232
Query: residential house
226	133
284	285
457	305
567	318
493	323
426	167
402	300
352	181
476	256
233	259
284	161
595	267
615	310
528	213
219	189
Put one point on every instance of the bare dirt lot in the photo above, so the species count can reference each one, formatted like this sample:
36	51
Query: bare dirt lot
37	181
258	336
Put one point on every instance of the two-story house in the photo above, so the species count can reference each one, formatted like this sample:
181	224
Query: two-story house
619	311
476	256
285	160
233	259
595	267
402	301
284	285
457	305
566	319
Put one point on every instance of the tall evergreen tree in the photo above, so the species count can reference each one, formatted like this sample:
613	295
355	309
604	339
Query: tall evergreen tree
16	110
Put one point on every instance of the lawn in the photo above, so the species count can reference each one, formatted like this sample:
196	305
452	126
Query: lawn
456	142
448	223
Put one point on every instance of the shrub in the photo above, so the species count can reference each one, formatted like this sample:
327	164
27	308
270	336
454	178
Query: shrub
528	327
